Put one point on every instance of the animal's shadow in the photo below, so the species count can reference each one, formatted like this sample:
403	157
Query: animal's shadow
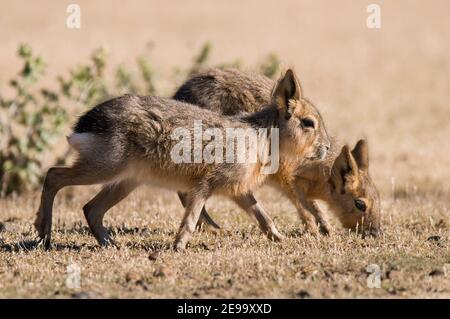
143	232
35	244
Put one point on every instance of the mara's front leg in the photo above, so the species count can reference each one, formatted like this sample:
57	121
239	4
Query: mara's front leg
253	208
324	226
304	208
195	200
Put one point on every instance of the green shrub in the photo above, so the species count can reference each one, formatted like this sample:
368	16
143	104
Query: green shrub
86	84
271	66
29	123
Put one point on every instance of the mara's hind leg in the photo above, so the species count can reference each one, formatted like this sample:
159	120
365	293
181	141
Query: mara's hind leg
195	200
95	209
204	216
251	206
57	178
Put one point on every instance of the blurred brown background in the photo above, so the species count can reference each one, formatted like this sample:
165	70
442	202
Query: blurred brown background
390	85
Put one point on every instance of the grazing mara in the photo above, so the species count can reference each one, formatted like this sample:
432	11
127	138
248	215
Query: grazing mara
341	180
132	140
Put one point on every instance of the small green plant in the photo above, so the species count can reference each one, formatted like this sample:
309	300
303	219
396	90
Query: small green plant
125	82
201	59
236	64
28	123
270	66
86	84
147	75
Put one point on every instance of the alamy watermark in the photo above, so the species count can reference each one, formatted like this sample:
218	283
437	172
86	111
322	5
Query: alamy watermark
374	19
374	278
73	278
73	20
227	145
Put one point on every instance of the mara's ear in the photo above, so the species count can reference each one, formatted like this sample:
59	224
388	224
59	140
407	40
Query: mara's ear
343	165
361	154
287	88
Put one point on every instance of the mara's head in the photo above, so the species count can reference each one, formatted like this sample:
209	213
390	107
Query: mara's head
354	196
302	130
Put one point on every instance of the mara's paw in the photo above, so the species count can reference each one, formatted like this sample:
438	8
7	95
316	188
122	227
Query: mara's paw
103	237
325	229
107	242
45	241
274	235
312	229
180	245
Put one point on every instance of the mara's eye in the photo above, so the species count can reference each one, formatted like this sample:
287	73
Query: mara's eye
360	205
306	122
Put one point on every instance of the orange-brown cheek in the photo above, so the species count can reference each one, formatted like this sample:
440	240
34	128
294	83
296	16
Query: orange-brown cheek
305	137
299	141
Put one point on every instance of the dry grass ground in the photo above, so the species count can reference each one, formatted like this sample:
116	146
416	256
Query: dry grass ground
237	262
389	85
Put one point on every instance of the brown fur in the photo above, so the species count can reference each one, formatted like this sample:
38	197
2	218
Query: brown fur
127	141
233	92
